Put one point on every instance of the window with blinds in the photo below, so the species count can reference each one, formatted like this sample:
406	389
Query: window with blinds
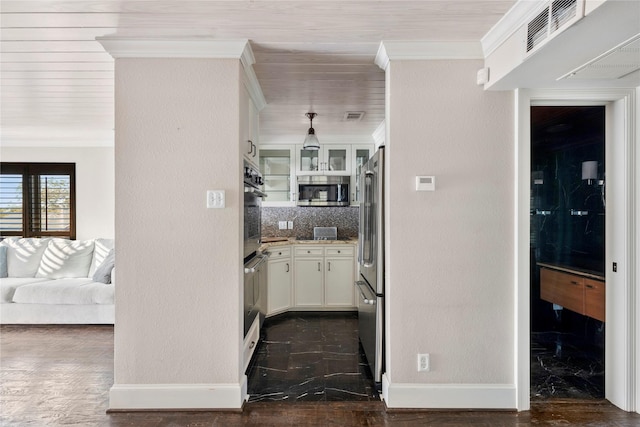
37	199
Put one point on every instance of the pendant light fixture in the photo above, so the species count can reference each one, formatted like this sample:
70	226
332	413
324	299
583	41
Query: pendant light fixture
311	141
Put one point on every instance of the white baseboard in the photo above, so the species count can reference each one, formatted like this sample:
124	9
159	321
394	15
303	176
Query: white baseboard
449	396
176	396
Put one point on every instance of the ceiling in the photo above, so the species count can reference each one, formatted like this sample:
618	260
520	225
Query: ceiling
57	81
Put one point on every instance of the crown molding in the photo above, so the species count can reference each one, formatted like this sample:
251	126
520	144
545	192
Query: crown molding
250	79
519	14
379	135
426	50
120	47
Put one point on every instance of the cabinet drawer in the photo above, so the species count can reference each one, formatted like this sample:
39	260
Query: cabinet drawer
251	342
309	251
562	289
594	299
340	251
279	252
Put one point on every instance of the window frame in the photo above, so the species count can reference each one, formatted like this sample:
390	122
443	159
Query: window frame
28	170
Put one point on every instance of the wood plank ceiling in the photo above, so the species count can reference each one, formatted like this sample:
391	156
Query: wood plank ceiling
57	81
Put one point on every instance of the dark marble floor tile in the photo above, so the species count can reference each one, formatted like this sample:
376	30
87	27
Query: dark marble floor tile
563	365
310	357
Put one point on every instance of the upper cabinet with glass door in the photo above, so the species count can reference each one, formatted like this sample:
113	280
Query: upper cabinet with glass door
277	167
360	154
328	160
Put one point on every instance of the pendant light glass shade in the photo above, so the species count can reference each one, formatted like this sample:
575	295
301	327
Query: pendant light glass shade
311	140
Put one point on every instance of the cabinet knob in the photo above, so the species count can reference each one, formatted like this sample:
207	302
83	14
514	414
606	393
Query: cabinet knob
339	252
308	252
279	253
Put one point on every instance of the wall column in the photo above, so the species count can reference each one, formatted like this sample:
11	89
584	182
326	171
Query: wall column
178	331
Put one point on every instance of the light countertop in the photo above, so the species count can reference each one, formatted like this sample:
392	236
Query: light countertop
294	241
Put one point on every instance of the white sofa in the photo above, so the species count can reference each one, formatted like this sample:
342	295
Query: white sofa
56	281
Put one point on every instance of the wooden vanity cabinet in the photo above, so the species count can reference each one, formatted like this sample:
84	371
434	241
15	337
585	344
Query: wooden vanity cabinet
594	299
573	292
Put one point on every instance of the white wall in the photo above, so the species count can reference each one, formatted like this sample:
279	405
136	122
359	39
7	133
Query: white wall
94	183
178	332
450	253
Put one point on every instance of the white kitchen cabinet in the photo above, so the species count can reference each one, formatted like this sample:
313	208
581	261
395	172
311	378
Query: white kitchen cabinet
249	127
359	156
324	276
277	164
338	282
328	160
280	273
308	276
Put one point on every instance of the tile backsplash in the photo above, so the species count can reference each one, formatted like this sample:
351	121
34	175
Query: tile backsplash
305	218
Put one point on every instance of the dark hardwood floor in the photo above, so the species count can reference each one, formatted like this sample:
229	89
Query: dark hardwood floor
61	375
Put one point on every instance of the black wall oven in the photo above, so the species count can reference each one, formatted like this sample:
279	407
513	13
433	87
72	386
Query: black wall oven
255	295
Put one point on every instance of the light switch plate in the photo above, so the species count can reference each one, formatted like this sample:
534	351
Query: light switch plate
290	225
215	199
282	225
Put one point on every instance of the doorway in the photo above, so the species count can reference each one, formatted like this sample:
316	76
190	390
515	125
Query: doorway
567	250
622	196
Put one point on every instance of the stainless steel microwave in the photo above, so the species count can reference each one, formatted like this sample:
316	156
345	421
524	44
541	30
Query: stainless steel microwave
323	190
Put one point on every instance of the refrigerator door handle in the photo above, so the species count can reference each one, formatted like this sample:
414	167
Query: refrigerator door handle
367	212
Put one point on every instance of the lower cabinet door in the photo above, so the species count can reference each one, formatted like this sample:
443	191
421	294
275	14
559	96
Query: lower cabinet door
309	282
338	282
279	299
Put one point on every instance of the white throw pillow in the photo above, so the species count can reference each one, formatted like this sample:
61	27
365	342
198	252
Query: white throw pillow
100	252
66	259
24	255
103	272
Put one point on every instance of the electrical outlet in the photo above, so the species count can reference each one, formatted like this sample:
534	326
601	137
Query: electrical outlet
290	225
423	362
215	199
282	225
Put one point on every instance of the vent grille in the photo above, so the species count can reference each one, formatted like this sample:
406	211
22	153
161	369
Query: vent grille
537	30
353	116
557	15
562	11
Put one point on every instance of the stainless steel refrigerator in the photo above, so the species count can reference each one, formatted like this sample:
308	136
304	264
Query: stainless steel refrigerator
370	285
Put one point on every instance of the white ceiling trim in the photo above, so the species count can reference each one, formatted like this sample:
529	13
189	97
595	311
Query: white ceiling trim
119	47
251	80
519	14
426	50
380	133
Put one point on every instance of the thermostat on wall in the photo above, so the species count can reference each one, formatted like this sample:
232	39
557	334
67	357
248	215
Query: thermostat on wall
425	183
